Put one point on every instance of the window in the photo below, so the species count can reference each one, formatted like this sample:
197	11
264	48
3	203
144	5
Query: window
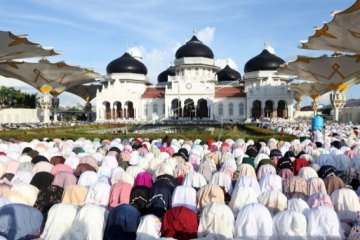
146	109
221	109
163	109
231	109
241	109
155	108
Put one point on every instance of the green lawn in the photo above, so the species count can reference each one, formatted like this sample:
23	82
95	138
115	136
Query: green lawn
191	132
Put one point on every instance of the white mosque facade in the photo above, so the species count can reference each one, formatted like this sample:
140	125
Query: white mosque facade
195	88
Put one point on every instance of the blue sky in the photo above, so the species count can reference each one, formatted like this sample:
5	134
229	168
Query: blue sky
91	33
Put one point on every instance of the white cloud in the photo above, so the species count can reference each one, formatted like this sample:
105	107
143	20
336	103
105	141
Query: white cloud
228	61
206	35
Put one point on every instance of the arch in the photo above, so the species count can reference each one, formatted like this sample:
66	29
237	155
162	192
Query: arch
269	109
221	109
176	108
107	110
118	110
282	109
241	109
231	109
189	108
256	109
129	110
202	110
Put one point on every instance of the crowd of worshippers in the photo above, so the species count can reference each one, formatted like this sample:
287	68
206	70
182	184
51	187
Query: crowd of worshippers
181	189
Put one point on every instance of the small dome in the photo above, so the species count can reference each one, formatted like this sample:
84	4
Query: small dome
265	61
228	74
163	76
194	48
126	64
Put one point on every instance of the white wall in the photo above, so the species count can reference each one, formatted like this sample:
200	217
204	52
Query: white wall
350	114
19	115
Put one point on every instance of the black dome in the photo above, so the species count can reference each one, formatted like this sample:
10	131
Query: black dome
194	48
126	64
264	61
228	74
163	76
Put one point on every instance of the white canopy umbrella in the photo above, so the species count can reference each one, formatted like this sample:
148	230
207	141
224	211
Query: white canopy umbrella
341	34
16	47
50	79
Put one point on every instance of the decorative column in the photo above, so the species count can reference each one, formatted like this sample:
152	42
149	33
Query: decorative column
88	111
125	112
55	105
314	106
45	104
338	101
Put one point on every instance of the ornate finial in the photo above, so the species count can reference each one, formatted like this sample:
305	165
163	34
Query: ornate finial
194	32
44	60
268	47
336	54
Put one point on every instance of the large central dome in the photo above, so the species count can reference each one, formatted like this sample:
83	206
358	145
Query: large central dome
265	61
194	48
126	64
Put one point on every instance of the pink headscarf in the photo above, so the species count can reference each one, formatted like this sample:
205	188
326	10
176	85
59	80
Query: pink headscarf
350	153
320	199
11	166
143	179
64	179
170	151
286	173
61	168
120	193
4	188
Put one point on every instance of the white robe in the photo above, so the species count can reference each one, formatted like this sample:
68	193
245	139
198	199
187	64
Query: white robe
149	228
254	222
346	204
290	225
216	219
184	196
240	197
99	194
89	223
271	182
87	179
323	223
59	221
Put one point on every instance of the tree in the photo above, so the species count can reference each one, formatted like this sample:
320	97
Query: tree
10	97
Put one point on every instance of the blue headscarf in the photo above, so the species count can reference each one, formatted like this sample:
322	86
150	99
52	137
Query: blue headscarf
20	221
122	223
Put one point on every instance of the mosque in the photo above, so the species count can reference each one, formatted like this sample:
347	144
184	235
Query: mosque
195	88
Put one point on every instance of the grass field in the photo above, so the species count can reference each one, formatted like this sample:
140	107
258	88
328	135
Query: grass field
109	131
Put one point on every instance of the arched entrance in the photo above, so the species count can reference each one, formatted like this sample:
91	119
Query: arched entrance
256	109
107	110
202	109
118	110
189	108
282	109
176	108
129	113
269	109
